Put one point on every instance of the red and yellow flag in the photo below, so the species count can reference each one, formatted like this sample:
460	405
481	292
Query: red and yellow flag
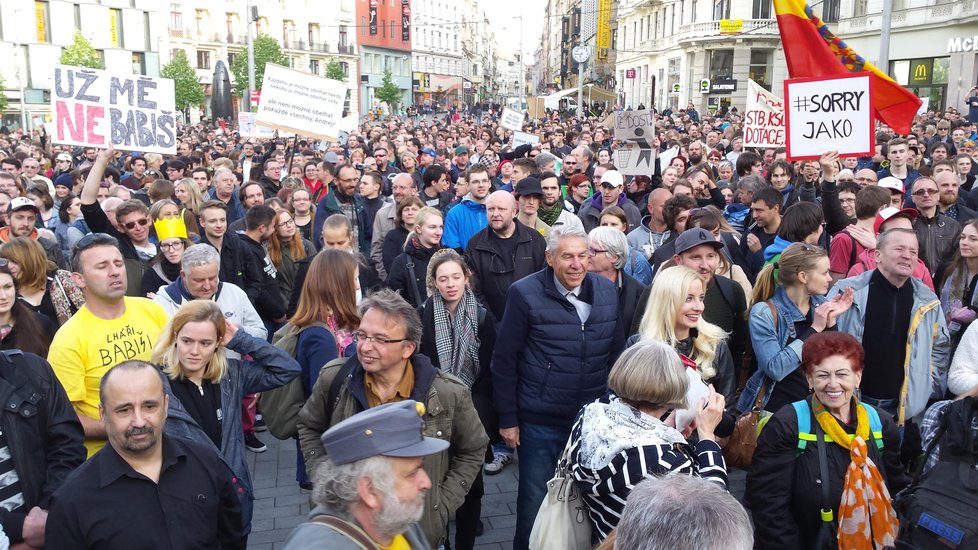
812	50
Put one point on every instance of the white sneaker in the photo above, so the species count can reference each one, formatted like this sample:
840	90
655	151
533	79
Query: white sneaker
499	462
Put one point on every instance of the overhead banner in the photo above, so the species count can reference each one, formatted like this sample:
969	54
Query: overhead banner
373	17
604	25
93	108
511	120
763	118
405	20
299	102
826	114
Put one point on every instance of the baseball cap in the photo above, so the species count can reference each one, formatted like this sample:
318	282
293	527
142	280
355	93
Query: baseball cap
22	203
895	185
63	156
429	151
461	150
529	186
891	212
394	429
613	178
691	238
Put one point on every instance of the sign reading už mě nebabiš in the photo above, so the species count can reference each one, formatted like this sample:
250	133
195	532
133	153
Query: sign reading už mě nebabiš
303	103
829	114
93	108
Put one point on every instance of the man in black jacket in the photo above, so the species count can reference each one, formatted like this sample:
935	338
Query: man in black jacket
271	176
237	264
260	224
44	441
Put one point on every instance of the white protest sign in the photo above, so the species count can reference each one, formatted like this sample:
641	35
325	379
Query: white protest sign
924	105
248	127
93	108
638	126
633	160
826	114
763	118
298	102
523	138
511	120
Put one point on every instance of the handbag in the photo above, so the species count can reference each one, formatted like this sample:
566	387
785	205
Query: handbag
562	522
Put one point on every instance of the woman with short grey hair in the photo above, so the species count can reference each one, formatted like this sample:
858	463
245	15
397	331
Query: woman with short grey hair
607	256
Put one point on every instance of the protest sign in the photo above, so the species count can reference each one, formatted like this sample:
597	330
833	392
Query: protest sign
829	114
299	102
523	138
763	118
248	127
511	120
636	126
633	160
93	108
924	105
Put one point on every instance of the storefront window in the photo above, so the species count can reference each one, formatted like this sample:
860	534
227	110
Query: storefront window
900	71
760	67
942	65
721	64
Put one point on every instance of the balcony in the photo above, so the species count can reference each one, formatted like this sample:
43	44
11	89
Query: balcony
923	16
710	30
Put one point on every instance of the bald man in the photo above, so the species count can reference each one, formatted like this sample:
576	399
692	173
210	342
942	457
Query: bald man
865	177
503	253
653	232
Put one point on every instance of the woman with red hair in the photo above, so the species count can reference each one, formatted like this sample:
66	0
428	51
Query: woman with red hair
826	466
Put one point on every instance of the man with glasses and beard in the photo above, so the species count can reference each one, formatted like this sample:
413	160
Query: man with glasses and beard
387	472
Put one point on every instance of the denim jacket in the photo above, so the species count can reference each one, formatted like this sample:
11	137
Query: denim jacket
776	359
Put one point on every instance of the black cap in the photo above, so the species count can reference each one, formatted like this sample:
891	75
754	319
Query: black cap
529	186
691	238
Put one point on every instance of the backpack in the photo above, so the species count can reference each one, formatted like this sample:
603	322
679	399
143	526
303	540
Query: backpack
280	407
748	365
805	434
940	509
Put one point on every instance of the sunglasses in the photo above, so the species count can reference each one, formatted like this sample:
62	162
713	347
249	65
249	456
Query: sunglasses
132	225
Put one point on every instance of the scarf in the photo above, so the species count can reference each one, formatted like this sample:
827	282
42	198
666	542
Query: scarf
457	339
866	517
549	215
342	336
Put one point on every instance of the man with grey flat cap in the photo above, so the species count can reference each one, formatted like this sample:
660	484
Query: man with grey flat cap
370	490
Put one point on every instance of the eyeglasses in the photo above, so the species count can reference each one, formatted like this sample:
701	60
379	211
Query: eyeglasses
922	192
362	337
286	223
132	225
172	246
592	252
845	181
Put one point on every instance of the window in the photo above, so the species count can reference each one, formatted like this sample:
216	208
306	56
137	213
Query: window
762	8
202	20
203	59
721	63
721	9
692	14
343	37
314	66
313	33
176	17
288	32
383	30
831	10
138	63
41	19
859	7
760	67
231	58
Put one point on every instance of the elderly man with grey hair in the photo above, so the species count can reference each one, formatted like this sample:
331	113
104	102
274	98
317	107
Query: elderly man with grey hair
224	184
198	280
683	511
608	250
546	162
561	332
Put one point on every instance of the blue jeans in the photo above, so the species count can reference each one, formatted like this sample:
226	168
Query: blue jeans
540	448
888	405
501	448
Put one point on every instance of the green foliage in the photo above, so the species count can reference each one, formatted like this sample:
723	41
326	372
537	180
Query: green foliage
267	50
80	53
3	96
388	92
334	71
189	92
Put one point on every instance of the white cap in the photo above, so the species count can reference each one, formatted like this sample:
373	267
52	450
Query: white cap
613	178
895	185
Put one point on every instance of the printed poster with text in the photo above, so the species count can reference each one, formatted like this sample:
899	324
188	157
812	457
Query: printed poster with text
92	108
829	114
303	103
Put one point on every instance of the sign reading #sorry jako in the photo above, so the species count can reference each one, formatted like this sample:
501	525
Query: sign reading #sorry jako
93	108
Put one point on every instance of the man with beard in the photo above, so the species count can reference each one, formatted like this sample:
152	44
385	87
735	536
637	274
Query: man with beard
553	210
695	153
951	205
192	491
342	200
387	472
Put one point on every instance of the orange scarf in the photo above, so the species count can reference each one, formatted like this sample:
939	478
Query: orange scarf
866	517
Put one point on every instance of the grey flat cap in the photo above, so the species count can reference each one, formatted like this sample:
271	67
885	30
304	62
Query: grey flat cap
394	429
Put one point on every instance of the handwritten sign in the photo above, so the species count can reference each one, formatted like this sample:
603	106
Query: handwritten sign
93	108
303	103
825	114
763	118
511	120
523	138
634	125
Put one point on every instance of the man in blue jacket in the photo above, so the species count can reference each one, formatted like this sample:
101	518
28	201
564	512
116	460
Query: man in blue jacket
560	334
468	217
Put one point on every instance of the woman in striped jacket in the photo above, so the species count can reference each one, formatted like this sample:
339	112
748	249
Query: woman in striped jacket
618	442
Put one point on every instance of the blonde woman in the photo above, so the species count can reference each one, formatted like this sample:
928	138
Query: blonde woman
188	193
674	315
408	270
206	388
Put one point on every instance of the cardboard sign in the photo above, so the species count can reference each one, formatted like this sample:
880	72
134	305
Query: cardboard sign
523	138
763	118
636	126
93	108
511	120
633	160
303	103
825	114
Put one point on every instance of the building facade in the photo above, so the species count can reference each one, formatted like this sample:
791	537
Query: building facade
385	29
436	58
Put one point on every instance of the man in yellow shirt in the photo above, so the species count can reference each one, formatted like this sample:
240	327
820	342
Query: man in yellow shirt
109	329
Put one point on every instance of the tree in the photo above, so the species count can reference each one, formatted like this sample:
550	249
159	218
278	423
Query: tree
388	92
189	93
267	50
80	53
3	96
334	70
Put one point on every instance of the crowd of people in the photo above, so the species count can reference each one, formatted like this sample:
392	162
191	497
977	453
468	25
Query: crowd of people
445	303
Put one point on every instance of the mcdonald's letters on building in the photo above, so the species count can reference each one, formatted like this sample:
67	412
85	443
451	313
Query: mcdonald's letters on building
825	114
93	108
299	102
763	118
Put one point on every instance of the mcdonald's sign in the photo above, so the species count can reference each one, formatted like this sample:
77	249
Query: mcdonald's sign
920	71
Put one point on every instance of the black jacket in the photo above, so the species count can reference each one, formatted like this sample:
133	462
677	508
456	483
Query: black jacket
783	483
45	439
938	238
268	302
490	281
238	266
629	294
409	273
269	187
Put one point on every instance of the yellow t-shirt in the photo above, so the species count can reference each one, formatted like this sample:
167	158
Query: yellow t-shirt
86	347
399	543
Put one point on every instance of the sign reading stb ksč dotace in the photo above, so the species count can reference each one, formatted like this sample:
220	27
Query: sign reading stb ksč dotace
92	108
826	114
